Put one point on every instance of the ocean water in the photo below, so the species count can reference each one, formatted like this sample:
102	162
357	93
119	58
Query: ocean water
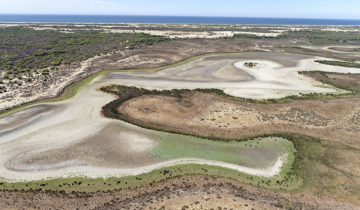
171	19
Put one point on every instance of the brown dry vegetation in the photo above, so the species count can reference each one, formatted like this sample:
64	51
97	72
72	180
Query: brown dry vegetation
344	81
187	192
210	115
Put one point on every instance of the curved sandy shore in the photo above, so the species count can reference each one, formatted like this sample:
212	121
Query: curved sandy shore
97	172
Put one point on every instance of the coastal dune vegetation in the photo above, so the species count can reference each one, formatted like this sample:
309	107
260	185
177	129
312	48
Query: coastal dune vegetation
25	50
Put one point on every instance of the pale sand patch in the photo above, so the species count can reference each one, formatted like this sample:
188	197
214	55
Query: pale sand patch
137	143
20	118
98	172
196	34
16	166
204	70
27	117
274	33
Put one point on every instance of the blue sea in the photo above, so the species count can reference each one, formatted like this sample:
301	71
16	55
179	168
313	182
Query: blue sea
171	19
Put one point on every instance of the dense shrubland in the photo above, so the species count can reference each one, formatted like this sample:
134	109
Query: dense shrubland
312	36
23	50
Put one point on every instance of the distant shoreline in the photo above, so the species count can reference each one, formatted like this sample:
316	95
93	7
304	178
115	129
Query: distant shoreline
113	19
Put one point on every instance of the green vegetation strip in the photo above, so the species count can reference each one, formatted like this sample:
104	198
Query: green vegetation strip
313	36
296	173
257	153
339	63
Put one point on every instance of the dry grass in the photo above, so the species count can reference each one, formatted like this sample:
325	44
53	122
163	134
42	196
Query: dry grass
210	115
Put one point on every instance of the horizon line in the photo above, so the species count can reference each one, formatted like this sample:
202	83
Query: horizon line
194	16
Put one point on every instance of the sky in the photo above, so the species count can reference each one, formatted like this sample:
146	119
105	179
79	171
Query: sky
328	9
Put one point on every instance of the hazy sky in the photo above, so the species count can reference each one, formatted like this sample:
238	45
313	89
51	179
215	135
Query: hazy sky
338	9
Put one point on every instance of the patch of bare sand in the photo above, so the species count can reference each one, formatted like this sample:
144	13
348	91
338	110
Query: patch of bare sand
137	143
23	118
195	34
